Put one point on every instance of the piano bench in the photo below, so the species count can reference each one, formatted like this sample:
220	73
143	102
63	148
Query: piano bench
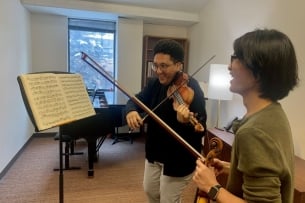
69	150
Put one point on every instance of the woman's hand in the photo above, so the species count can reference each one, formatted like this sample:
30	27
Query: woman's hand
220	167
134	120
204	176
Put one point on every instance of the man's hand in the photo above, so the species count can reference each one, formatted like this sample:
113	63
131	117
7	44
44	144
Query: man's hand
134	120
183	113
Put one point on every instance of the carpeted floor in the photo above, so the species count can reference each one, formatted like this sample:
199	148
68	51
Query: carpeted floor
117	175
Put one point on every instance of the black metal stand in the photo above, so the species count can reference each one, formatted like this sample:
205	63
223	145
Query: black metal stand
61	170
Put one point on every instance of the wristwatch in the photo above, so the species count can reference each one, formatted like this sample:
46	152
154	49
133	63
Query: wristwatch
213	192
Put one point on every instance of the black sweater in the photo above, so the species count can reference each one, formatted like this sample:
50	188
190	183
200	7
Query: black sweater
160	145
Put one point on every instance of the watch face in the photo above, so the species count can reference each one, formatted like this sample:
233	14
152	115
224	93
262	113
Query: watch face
213	192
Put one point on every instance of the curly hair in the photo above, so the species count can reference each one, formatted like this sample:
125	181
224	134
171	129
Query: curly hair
170	47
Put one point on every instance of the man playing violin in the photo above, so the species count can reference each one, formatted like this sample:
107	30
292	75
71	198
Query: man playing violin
264	70
168	165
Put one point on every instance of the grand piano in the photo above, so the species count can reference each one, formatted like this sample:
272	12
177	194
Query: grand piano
95	130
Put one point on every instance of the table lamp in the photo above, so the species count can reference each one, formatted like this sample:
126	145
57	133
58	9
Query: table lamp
219	84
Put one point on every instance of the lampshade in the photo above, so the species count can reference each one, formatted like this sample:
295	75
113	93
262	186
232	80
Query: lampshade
219	82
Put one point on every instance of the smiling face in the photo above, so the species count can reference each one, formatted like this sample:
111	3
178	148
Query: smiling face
166	68
243	81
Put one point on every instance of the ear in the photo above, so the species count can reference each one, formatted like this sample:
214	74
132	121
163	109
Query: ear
180	66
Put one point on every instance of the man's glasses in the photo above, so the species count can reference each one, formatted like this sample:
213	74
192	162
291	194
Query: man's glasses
161	66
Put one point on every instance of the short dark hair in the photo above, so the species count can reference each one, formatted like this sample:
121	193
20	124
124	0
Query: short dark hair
271	57
170	47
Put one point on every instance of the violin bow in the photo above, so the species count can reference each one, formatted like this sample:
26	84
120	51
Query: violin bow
101	70
181	85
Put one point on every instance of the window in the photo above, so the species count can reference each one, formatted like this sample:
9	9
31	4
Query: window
97	40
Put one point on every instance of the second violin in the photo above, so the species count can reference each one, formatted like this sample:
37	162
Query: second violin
183	94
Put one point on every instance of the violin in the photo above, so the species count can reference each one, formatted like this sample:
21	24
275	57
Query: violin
168	95
183	94
215	146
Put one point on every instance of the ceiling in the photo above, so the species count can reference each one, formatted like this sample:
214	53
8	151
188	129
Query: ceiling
169	12
175	5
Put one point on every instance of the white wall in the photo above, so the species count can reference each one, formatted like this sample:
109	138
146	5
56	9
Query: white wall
129	56
222	21
165	31
49	42
15	59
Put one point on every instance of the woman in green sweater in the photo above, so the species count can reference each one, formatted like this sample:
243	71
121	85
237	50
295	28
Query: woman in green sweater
264	69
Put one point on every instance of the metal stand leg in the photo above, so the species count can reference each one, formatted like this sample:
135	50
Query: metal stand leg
61	171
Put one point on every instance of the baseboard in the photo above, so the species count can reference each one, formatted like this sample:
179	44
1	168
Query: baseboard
9	165
48	134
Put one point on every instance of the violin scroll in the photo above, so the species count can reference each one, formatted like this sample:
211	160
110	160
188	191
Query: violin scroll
215	145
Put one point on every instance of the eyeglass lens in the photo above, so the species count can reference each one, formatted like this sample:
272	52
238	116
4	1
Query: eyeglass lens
162	66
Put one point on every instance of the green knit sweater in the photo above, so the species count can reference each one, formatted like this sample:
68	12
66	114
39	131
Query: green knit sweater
262	159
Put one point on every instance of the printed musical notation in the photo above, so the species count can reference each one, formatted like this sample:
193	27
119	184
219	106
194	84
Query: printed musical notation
56	99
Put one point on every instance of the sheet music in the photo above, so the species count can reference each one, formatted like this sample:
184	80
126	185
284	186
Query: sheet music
56	99
76	94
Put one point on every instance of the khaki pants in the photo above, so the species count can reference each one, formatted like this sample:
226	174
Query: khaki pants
160	188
